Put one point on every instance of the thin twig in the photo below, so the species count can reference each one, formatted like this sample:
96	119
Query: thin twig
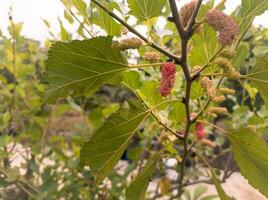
176	18
185	68
131	29
197	74
189	28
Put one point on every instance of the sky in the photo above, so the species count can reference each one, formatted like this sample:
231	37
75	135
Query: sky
31	12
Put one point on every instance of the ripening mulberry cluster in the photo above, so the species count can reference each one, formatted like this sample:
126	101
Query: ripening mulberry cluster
195	69
224	24
207	85
224	63
128	43
200	134
186	12
151	56
217	110
199	130
168	73
226	91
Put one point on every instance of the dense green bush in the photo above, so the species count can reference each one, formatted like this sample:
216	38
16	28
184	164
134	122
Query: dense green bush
196	97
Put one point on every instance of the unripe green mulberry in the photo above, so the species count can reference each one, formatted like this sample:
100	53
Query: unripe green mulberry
196	69
207	85
217	110
129	43
228	69
227	53
227	91
151	56
218	99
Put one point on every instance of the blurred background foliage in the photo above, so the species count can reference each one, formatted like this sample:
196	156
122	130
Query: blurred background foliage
40	143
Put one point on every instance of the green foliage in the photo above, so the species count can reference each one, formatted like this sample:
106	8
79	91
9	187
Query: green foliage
221	192
242	52
137	188
105	148
259	77
146	9
101	18
205	47
73	67
250	154
248	11
131	79
107	102
149	93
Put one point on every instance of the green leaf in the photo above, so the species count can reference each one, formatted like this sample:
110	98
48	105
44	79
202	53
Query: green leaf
107	145
137	189
105	21
260	50
221	192
16	28
199	191
68	17
196	91
146	9
131	79
80	5
64	35
259	77
82	66
249	10
250	153
177	112
149	93
242	52
205	46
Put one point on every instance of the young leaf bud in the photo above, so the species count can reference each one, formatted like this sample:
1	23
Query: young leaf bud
167	78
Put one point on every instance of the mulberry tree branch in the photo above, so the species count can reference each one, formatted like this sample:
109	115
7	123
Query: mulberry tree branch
185	36
189	28
131	29
176	18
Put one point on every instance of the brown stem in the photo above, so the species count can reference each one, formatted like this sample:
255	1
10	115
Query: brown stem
131	29
189	28
185	37
176	18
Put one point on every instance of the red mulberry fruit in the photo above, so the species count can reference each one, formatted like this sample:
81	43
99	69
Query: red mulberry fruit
199	131
167	78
